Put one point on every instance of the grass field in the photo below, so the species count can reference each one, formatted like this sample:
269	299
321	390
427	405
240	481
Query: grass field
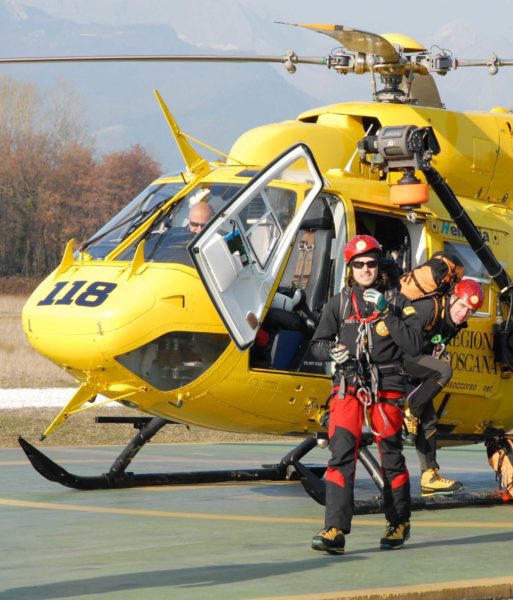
20	365
81	429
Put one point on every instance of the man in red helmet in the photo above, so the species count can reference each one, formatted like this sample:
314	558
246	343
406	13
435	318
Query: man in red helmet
432	373
365	330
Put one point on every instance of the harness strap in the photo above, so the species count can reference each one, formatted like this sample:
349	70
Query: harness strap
364	393
389	368
344	306
357	316
382	394
389	394
304	262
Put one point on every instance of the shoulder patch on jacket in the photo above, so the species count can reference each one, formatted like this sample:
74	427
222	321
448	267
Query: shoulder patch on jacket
382	329
409	310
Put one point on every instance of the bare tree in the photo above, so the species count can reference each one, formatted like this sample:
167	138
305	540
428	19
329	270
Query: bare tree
51	186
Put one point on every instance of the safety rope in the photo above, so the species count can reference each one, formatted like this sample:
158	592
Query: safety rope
365	395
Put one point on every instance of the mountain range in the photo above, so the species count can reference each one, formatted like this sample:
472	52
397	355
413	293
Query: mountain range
217	102
212	102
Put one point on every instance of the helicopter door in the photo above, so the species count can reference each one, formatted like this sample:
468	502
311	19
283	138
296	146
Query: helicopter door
239	254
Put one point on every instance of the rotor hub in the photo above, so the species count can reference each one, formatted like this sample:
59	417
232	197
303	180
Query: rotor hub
392	91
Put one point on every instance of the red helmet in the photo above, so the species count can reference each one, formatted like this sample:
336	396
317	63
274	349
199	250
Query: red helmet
360	244
470	292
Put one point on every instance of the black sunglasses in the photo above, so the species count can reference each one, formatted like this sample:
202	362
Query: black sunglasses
359	264
194	224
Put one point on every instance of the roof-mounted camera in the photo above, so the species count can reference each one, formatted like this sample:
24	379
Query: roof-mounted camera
399	147
404	148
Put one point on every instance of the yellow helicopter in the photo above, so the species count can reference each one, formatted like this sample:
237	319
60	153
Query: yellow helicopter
211	325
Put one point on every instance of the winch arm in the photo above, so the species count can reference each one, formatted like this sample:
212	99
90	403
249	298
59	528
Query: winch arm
467	227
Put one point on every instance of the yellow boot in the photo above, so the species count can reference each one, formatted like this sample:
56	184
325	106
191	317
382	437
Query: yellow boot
330	540
432	482
411	425
395	536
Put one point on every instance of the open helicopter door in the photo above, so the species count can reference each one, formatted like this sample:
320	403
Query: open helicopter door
240	252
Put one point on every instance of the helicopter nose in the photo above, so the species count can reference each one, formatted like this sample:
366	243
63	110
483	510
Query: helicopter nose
74	319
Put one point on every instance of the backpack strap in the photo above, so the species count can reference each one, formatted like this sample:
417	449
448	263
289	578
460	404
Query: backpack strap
439	311
508	447
391	296
345	306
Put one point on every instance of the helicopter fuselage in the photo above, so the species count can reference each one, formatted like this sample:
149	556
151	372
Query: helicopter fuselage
140	328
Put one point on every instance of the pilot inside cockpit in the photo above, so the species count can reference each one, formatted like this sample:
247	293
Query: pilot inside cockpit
199	215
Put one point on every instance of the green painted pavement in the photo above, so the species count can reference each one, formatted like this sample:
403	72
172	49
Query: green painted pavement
227	541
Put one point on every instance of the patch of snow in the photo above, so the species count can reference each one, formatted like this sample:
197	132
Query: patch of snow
37	398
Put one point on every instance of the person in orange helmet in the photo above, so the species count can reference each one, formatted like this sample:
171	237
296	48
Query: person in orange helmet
365	331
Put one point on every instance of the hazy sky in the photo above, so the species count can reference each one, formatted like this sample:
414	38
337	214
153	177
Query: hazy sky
470	28
414	17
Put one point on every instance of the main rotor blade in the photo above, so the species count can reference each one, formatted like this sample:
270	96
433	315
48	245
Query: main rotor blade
355	39
289	57
479	62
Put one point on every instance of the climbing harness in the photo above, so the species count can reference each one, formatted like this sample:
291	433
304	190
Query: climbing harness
367	393
364	394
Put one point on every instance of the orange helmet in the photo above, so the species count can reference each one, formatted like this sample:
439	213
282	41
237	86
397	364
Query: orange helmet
470	292
360	244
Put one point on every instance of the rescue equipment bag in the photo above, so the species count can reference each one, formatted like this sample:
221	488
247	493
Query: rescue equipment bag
500	458
437	276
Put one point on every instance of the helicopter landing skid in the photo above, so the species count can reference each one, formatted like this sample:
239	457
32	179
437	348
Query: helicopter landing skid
316	487
289	468
117	477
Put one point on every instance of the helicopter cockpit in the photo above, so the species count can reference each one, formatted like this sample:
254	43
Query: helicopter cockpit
167	237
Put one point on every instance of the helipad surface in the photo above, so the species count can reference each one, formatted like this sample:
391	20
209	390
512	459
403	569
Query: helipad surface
235	541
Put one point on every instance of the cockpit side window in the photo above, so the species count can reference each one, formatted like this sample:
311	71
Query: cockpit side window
473	266
474	269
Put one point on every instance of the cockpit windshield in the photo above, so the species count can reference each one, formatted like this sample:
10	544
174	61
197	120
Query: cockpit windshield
169	236
130	217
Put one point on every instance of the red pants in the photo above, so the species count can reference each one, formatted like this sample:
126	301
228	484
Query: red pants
345	428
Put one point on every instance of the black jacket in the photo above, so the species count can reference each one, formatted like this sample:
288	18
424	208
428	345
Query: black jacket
443	330
392	335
